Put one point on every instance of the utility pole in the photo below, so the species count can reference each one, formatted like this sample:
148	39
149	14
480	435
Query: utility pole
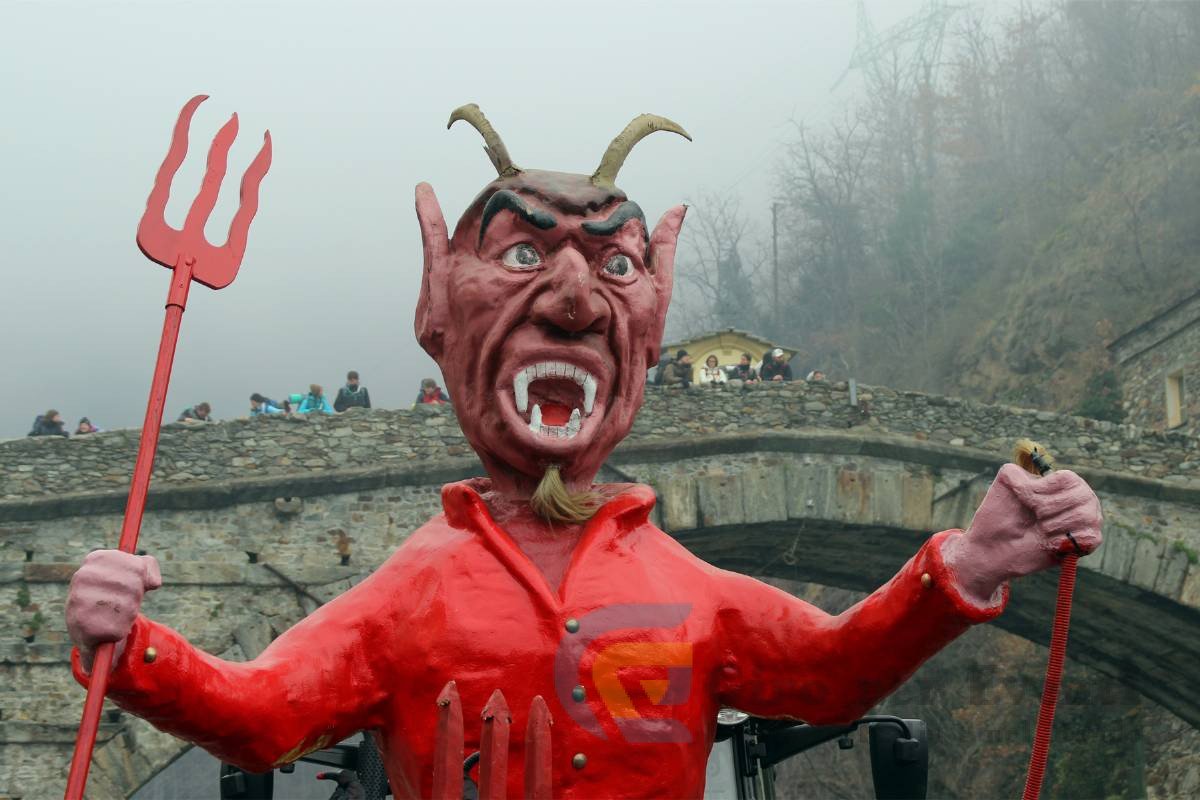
775	265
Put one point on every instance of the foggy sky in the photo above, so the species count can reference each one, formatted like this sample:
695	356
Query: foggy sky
356	97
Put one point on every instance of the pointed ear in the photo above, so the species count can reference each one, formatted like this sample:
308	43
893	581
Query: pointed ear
435	240
661	263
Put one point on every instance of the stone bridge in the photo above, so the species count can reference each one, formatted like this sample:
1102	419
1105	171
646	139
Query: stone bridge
257	521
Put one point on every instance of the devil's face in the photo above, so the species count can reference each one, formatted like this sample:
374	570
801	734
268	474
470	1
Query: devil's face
543	313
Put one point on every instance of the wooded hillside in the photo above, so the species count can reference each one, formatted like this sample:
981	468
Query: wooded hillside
1009	190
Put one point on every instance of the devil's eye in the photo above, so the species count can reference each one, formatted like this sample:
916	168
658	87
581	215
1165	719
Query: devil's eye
521	256
619	266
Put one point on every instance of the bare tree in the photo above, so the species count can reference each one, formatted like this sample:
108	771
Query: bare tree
826	255
720	264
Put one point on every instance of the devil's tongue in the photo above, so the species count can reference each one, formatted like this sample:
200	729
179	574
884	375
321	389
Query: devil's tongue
557	398
555	414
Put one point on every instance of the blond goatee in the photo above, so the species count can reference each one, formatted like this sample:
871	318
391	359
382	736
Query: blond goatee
554	502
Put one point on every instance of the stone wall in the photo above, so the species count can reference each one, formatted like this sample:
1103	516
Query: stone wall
211	455
1149	353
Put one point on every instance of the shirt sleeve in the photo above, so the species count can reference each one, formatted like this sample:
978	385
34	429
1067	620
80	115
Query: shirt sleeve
312	687
783	657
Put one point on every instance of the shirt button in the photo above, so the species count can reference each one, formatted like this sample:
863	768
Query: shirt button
927	580
572	625
578	694
149	654
579	761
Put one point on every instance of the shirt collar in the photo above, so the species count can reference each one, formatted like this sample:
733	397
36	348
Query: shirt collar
628	509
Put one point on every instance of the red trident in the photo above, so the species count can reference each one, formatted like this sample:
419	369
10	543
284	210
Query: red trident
448	764
190	257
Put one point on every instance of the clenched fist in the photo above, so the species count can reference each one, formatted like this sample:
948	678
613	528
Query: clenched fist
104	598
1021	528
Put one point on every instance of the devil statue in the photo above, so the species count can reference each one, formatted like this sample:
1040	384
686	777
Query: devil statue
544	309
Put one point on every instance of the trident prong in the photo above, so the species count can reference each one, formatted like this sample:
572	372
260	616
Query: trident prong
493	748
210	187
539	772
215	267
448	748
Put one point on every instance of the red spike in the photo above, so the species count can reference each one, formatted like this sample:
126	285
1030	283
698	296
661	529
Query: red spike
155	238
210	186
239	228
538	767
493	748
448	748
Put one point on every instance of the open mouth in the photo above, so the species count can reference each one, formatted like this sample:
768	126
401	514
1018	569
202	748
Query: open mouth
554	397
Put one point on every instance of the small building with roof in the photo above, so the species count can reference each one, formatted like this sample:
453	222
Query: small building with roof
1159	367
727	345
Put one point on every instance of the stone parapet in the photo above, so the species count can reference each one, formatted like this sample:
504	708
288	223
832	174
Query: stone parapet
310	447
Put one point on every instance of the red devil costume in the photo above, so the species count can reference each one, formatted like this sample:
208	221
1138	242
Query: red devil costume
459	600
543	311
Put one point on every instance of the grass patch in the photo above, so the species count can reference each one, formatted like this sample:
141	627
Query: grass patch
1192	556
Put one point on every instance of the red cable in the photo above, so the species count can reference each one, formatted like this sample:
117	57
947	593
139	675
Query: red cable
1054	669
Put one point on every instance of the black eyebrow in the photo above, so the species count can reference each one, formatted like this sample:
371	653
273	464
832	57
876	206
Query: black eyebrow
504	200
625	212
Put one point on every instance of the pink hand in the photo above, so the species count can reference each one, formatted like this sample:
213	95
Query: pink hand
104	598
1021	528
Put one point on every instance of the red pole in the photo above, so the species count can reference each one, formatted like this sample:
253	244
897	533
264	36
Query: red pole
85	740
1054	670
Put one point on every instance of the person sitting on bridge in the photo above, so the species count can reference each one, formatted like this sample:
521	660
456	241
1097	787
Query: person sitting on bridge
260	405
711	374
679	371
352	395
744	371
776	367
201	412
430	394
48	424
315	400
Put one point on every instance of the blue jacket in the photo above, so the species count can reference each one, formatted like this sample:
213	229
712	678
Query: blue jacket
265	408
311	403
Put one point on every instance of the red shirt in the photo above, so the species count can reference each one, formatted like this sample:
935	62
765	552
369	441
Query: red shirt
634	654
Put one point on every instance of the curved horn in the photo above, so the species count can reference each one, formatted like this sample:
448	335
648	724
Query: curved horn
640	128
493	144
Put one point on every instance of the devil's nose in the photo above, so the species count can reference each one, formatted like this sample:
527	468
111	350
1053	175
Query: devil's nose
569	299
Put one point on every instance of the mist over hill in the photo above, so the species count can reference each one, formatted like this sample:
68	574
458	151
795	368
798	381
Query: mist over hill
1013	187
